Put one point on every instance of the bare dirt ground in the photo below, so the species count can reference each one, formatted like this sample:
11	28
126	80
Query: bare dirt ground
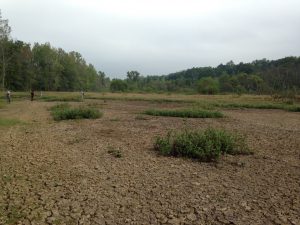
61	172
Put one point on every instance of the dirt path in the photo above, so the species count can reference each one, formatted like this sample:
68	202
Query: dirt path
62	173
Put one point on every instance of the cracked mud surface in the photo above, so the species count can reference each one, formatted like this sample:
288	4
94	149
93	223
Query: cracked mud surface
61	172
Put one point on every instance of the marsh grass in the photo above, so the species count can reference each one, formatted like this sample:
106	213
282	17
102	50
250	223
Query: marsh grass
66	112
287	107
207	145
185	113
10	122
60	99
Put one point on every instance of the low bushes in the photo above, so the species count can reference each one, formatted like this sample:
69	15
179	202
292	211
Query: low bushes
186	113
206	145
65	112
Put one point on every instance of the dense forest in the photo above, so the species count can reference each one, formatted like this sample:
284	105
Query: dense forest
43	67
259	76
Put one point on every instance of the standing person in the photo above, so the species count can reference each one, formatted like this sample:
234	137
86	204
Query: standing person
32	95
82	95
8	96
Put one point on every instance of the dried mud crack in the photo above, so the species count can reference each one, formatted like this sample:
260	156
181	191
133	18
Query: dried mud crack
62	173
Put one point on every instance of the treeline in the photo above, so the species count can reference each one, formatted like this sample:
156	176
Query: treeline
43	67
259	76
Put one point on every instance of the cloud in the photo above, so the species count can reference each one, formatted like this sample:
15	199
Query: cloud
159	37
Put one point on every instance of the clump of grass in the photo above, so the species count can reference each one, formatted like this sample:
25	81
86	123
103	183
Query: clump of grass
114	152
9	122
287	107
65	112
186	113
206	145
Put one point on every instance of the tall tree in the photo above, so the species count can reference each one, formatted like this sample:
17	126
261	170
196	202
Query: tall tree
4	37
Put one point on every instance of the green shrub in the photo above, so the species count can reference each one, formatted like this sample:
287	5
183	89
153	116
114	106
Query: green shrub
65	112
186	113
118	85
205	145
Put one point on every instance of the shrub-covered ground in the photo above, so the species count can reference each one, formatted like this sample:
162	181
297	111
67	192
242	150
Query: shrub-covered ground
66	112
206	145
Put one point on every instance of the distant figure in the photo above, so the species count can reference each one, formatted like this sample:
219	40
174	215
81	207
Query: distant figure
8	96
32	95
82	95
41	94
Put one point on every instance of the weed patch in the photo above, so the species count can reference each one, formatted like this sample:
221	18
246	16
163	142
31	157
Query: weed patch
287	107
9	122
206	145
114	152
65	112
186	113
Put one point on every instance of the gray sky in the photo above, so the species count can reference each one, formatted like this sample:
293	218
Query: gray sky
159	36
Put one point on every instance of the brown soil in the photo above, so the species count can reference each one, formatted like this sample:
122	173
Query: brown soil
61	172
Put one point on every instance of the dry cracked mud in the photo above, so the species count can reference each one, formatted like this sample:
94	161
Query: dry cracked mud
61	172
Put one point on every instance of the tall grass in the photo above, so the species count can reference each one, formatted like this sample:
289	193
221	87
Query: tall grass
206	145
65	112
186	113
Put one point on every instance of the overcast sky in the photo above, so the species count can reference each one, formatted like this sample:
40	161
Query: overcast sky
159	36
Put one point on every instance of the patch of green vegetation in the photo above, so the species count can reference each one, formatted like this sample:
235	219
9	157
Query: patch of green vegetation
153	100
186	113
60	99
287	107
114	152
14	215
206	145
65	112
9	122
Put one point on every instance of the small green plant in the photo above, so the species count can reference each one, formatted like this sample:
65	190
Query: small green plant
206	145
65	112
186	113
114	152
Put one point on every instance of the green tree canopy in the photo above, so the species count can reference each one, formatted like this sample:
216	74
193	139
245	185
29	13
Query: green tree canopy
208	85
